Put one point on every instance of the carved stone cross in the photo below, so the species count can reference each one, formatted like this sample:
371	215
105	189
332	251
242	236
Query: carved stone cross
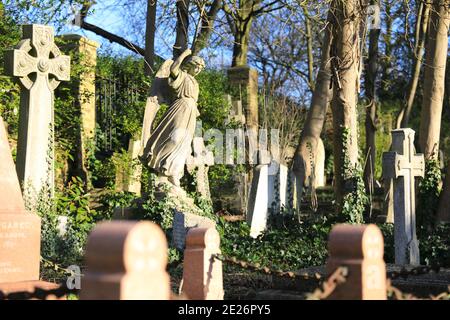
403	165
39	66
201	159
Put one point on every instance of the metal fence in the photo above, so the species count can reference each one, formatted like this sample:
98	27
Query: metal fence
113	96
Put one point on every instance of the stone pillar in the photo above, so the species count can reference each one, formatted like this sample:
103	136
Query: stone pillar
244	85
243	82
360	248
202	274
126	261
85	52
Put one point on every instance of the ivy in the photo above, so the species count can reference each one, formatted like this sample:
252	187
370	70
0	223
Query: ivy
355	198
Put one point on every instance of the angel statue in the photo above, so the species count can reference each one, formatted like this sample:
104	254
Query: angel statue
166	149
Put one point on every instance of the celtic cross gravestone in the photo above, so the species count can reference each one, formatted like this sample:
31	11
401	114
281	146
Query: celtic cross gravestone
39	66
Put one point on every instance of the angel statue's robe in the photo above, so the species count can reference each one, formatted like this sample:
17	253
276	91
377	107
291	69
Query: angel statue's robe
170	144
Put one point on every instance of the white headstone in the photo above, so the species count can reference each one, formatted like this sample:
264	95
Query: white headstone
257	208
403	165
39	66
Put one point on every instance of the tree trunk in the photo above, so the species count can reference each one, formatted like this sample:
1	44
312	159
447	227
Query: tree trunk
421	30
150	37
182	28
310	135
443	213
371	110
309	40
434	82
207	24
346	57
241	39
243	23
387	64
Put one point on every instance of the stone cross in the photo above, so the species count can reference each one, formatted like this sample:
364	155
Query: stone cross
201	159
39	66
403	165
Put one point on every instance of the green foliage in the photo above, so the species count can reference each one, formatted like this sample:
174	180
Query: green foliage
74	202
112	200
429	190
9	92
211	102
290	247
434	246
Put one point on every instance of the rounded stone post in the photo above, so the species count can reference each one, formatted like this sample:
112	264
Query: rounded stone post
202	275
360	248
126	260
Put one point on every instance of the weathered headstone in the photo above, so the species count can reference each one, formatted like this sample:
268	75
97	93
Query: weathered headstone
19	229
278	187
200	161
360	249
183	222
202	273
126	261
39	66
403	165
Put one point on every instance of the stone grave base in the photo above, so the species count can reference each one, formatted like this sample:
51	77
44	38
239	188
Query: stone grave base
30	286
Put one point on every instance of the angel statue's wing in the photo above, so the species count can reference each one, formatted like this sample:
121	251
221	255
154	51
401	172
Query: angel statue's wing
159	93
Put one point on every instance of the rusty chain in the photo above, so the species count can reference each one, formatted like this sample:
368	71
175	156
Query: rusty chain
338	277
257	267
404	273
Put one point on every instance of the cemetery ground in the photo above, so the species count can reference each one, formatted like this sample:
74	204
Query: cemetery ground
286	246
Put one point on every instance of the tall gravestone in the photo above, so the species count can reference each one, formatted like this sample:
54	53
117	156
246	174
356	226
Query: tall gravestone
39	66
403	165
19	229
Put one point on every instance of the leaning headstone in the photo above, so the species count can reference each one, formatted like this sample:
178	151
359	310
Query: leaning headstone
360	249
257	209
39	66
20	230
183	222
403	165
126	261
202	273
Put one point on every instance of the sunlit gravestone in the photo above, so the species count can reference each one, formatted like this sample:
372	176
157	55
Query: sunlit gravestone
403	165
39	66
